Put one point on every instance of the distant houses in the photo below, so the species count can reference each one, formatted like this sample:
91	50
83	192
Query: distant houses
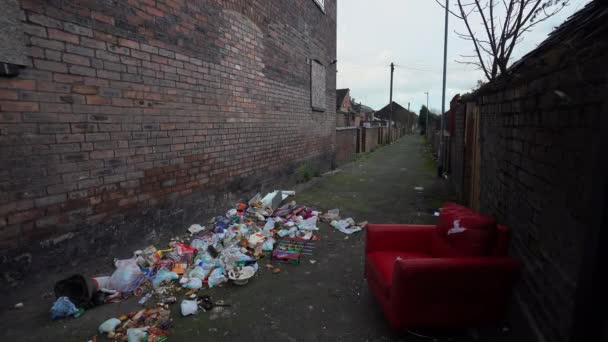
349	113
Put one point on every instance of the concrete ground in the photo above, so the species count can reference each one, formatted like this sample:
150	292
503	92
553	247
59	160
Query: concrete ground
323	299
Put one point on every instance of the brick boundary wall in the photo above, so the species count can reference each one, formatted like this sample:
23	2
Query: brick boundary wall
130	106
540	136
370	138
346	144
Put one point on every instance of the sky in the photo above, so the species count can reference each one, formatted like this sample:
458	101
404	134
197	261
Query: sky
372	34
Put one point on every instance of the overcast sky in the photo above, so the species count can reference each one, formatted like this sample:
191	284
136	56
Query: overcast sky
372	34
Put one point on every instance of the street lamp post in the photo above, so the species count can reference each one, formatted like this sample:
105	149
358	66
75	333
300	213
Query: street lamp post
440	154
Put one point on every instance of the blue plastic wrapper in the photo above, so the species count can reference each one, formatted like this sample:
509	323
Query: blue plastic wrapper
63	308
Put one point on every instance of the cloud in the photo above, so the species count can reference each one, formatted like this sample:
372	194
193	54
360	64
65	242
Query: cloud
410	34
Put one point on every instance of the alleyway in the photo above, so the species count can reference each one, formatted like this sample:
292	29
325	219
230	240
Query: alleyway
322	301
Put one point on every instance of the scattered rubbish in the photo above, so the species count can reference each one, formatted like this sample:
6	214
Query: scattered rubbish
18	306
63	308
331	215
145	298
228	248
290	250
193	283
241	275
109	325
347	226
189	307
195	229
419	188
137	334
436	214
127	271
77	288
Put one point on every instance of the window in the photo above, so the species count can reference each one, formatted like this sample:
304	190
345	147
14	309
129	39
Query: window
317	86
321	4
12	39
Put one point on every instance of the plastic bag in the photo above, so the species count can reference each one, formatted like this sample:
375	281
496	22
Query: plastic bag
199	244
189	307
268	245
193	283
109	325
137	335
196	228
63	308
198	272
126	273
291	232
309	224
216	277
269	225
162	275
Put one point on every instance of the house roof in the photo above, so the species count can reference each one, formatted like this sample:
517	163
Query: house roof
340	95
400	114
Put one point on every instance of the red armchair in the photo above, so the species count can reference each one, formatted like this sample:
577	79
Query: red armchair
418	287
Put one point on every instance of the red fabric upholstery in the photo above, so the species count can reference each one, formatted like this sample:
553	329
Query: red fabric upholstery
477	239
418	290
384	261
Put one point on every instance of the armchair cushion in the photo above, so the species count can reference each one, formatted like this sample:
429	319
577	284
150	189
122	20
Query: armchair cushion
381	265
477	238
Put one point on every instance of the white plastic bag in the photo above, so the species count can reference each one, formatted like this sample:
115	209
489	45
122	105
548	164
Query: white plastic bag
127	271
189	307
109	325
309	224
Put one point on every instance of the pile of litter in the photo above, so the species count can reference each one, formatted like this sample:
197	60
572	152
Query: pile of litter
227	250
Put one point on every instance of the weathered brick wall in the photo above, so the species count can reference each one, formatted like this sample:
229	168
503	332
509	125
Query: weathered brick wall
346	144
370	138
129	104
539	144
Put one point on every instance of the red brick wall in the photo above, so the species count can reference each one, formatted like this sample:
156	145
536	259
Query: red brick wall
128	103
370	138
346	144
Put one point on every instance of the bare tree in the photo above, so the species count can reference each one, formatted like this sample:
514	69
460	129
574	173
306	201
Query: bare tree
504	23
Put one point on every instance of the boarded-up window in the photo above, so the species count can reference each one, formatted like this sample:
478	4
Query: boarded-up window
12	39
317	86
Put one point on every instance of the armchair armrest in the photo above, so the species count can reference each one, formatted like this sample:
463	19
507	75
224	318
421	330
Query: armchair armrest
398	237
453	291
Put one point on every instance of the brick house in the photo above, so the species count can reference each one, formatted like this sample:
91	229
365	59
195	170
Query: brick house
112	106
403	118
346	113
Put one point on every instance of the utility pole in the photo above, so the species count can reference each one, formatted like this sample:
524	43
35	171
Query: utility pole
445	62
390	121
426	126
